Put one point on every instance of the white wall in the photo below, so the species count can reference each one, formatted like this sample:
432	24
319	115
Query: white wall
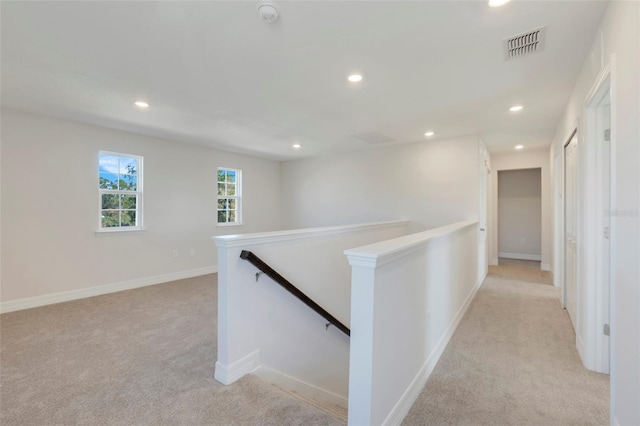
619	35
408	296
525	159
50	202
520	214
261	325
429	183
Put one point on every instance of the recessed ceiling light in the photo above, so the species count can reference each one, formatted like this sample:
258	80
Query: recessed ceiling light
354	78
516	108
498	3
519	146
429	133
296	146
141	104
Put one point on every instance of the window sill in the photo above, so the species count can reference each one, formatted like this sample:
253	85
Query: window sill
230	224
103	232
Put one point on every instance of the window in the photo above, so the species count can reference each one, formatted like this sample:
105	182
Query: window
229	197
120	190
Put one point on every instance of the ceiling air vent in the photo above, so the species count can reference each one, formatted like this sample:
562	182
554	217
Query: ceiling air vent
374	138
525	44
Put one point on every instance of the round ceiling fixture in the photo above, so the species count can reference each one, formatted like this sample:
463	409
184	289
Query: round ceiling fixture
354	78
516	108
141	104
519	146
268	12
429	133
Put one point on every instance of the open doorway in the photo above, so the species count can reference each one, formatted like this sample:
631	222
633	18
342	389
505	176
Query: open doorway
520	217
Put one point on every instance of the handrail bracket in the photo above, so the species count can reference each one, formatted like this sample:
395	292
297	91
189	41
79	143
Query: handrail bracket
263	268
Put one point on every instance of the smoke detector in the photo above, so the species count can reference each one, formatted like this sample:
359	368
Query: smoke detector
268	12
525	44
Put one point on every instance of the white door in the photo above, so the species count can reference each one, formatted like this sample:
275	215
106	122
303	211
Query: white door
558	223
483	244
605	138
570	228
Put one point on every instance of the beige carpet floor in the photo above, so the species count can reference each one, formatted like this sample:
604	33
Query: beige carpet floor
146	356
530	263
513	361
138	357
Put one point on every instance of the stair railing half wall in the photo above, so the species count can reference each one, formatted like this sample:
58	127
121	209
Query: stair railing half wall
275	276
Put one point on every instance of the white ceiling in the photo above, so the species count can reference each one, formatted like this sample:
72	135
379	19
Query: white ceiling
215	74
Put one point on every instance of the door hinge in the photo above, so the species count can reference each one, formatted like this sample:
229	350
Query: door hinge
607	232
606	330
607	135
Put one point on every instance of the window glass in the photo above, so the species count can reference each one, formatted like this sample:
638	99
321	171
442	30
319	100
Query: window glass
120	191
229	196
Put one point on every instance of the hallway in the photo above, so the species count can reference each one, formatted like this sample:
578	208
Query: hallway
513	360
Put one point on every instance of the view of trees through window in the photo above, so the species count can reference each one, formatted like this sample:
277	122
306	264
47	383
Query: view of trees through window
228	196
119	190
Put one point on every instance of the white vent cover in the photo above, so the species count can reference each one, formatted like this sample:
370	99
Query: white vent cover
525	44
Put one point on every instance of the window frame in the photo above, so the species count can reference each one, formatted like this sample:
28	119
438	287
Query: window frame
138	193
237	197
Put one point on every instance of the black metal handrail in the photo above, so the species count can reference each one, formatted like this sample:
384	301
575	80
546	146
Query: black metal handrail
275	276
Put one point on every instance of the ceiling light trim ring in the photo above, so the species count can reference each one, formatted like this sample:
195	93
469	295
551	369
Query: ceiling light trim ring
268	11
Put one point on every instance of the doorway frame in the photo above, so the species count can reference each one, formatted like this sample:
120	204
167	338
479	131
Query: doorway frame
591	227
561	219
511	254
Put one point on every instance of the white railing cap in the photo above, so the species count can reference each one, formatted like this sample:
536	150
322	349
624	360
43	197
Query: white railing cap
295	234
376	254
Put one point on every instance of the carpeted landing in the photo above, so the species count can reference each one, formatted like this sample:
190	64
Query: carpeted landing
138	357
146	356
513	361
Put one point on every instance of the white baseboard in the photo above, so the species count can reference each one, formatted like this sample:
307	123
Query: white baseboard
545	267
494	262
580	347
292	384
408	398
66	296
479	284
520	256
227	374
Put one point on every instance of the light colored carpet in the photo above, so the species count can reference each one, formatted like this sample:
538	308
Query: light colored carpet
146	356
138	357
513	361
530	263
519	273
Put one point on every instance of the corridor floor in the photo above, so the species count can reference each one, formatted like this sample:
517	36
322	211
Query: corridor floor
513	361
